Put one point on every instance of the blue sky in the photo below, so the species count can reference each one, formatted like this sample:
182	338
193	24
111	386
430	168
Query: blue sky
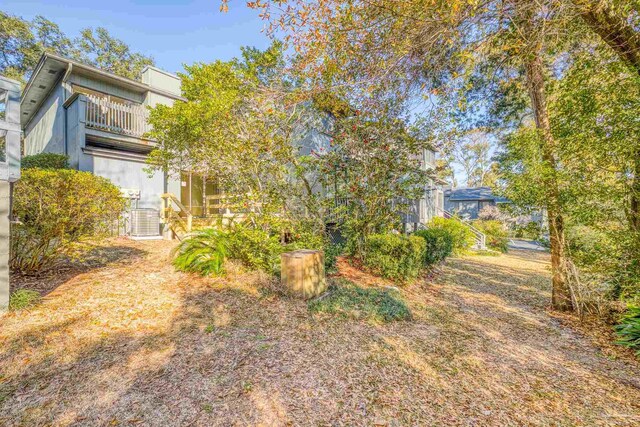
174	32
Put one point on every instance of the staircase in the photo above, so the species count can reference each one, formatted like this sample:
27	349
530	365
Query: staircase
480	237
180	220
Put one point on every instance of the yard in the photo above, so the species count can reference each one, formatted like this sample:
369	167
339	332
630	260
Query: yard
126	340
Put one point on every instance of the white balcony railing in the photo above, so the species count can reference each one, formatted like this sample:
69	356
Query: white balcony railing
114	117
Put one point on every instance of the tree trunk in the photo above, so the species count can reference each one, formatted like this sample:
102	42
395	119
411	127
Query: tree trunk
613	29
634	197
561	295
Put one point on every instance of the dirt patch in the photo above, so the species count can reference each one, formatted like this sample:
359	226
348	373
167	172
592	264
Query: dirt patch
135	342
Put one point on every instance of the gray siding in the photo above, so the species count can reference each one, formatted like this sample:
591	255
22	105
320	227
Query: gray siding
127	174
45	133
105	87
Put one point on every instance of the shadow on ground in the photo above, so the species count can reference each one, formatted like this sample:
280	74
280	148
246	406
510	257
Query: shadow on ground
137	343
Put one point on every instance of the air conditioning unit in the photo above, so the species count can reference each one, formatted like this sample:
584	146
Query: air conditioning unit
145	223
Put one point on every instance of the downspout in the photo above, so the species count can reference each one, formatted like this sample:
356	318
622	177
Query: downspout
65	91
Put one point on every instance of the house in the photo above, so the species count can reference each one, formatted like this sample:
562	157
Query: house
99	120
467	202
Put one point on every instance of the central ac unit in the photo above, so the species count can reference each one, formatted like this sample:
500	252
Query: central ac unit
145	223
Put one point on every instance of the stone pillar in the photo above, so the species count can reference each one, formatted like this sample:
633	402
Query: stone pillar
303	273
4	245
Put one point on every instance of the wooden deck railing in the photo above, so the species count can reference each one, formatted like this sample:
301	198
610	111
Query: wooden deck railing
179	221
131	120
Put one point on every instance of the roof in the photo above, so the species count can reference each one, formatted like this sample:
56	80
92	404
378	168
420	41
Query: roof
473	193
51	68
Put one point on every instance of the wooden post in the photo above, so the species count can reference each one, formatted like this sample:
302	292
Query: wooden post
303	273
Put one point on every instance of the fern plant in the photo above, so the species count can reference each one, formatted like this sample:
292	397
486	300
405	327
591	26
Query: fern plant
629	329
202	251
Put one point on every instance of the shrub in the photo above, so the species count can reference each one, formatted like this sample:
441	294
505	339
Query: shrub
255	248
202	251
497	234
463	238
351	301
23	298
439	244
394	256
45	161
331	253
628	329
57	208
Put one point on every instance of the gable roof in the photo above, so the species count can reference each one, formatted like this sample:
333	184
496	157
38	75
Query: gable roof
51	68
474	193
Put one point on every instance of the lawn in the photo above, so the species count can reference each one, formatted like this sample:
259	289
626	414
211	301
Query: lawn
129	341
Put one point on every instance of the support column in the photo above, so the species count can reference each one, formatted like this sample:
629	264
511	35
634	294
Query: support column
4	244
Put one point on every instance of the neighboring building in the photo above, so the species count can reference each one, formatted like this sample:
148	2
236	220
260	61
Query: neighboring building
469	201
9	173
99	120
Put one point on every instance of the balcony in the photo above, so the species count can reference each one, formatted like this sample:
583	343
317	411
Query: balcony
105	115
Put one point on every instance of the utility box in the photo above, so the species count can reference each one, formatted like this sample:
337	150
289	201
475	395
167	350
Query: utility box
302	273
9	172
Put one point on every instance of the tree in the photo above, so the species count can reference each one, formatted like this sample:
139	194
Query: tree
474	156
382	49
242	124
22	42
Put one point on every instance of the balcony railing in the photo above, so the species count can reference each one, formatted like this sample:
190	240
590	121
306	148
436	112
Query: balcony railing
111	116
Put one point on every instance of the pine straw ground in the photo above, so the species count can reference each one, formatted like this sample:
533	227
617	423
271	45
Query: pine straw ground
134	343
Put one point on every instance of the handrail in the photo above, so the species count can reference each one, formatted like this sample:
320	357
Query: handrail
169	214
481	238
115	117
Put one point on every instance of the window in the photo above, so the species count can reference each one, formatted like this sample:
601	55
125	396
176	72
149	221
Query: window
3	104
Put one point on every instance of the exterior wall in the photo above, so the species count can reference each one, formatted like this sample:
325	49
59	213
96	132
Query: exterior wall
45	132
161	80
128	174
5	203
105	87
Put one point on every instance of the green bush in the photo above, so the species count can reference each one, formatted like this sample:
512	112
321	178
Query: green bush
351	301
45	161
439	244
331	253
256	248
628	329
394	256
203	251
497	234
23	298
57	208
463	238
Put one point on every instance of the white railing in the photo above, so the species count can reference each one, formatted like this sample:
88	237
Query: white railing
114	117
480	237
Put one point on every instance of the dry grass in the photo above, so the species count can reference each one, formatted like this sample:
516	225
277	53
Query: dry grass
135	343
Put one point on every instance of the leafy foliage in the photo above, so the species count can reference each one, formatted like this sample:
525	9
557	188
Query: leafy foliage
439	244
331	253
496	232
23	298
394	256
22	42
45	161
348	300
57	208
628	329
203	251
462	237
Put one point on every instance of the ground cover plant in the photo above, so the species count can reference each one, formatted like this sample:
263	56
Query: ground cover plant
628	329
23	298
346	299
